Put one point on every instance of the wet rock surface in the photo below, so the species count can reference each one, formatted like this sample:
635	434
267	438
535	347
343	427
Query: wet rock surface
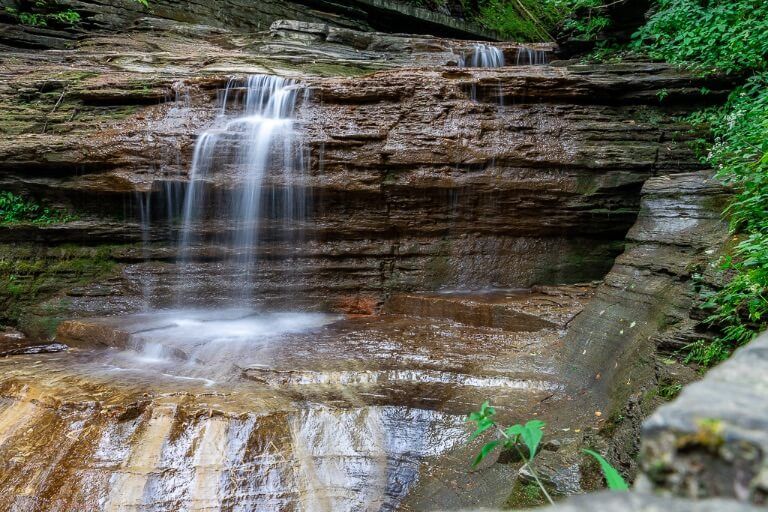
346	414
13	342
650	294
419	178
424	177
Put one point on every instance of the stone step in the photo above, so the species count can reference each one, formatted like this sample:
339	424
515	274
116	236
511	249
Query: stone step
510	310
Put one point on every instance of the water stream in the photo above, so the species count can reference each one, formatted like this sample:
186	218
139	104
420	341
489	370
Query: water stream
485	56
261	137
225	405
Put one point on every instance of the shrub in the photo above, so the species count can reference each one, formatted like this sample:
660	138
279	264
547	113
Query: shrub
714	36
740	155
14	209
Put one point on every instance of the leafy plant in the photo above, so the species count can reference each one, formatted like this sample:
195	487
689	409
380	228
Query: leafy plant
613	478
714	36
14	209
41	13
740	155
522	20
586	18
525	439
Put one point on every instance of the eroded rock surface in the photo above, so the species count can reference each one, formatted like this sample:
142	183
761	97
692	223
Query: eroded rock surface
419	178
423	176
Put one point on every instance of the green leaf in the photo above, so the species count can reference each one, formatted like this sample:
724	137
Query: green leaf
532	434
482	425
486	409
612	477
485	450
513	431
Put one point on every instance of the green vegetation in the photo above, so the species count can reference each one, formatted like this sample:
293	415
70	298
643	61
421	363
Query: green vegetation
584	19
613	478
740	155
15	209
717	36
42	13
527	20
727	37
525	441
521	20
30	275
538	20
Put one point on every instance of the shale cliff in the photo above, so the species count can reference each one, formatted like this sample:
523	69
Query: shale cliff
424	180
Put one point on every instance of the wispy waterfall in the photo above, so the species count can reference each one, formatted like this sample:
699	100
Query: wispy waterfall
531	57
485	56
245	148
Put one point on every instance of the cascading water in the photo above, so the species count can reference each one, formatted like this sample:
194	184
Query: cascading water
485	56
531	57
244	150
245	184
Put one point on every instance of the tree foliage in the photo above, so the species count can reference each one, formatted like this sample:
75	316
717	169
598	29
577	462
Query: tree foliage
728	37
713	36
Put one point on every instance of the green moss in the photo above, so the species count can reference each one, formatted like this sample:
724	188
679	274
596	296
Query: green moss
31	275
525	495
438	268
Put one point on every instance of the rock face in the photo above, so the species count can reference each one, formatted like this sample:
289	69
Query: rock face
240	16
419	178
711	441
652	292
422	177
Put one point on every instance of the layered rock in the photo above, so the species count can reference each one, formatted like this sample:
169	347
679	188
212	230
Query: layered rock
219	16
423	176
419	178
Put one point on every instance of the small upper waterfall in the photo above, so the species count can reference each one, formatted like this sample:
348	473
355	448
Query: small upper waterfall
485	56
531	57
228	195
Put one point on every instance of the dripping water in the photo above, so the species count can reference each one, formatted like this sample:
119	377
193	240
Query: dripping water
531	57
485	56
259	138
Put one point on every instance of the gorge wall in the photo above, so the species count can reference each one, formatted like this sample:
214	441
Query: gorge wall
419	179
423	176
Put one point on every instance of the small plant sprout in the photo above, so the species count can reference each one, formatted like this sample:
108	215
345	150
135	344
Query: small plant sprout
525	439
513	437
612	477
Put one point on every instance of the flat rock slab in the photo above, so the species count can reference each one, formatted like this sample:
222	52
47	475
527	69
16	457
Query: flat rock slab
510	310
13	343
346	411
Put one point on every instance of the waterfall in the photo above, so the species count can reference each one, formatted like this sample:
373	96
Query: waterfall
531	57
228	193
485	56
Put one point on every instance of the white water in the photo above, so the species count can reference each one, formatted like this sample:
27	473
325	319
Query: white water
208	344
261	138
485	56
244	169
530	57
